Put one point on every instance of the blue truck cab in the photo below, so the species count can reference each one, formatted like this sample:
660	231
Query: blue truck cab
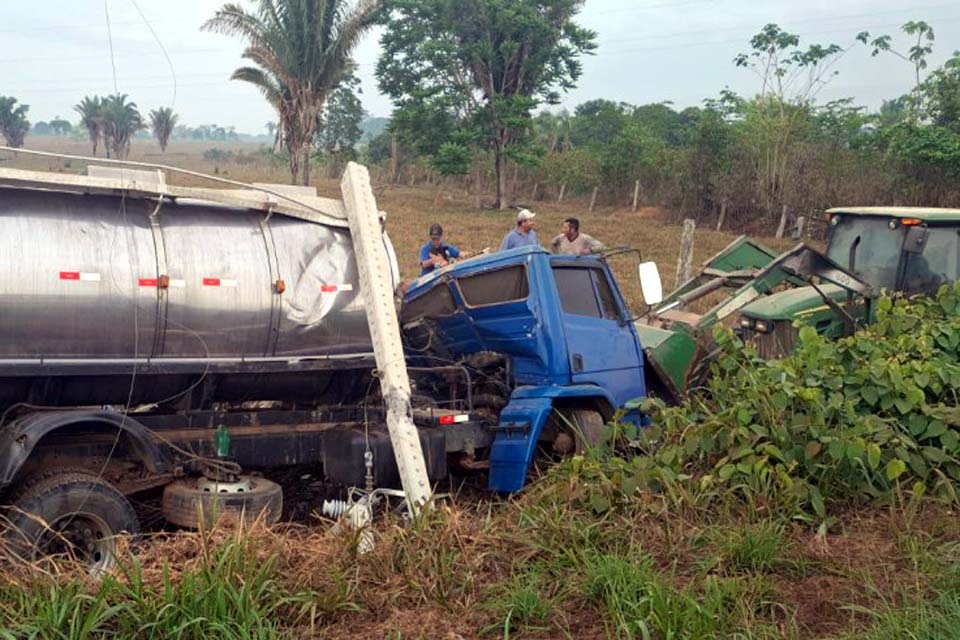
560	325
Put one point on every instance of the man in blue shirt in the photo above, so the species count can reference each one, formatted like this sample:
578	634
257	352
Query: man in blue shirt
523	235
436	253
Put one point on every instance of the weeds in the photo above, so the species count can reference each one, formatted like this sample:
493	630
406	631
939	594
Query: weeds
754	549
521	604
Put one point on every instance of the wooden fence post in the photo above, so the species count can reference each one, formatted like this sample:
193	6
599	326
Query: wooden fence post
723	214
783	222
533	194
593	198
563	188
636	195
685	261
798	231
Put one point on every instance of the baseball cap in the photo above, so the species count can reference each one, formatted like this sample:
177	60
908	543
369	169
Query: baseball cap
525	214
436	231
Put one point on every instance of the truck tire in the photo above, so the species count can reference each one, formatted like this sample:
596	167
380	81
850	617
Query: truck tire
578	430
74	513
186	505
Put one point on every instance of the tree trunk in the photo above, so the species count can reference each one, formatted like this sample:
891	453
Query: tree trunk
394	159
306	164
294	163
500	160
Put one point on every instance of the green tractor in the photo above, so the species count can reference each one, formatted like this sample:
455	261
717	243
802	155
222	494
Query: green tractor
869	249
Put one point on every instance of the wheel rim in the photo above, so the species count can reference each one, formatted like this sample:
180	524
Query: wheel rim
85	537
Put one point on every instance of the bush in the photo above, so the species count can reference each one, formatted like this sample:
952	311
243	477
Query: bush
836	422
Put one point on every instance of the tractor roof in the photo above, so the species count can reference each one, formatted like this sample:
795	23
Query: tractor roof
928	214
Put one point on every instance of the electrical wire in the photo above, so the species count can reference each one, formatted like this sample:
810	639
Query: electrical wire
173	71
113	62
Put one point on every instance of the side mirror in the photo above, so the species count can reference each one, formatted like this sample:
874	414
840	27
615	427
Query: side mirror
650	284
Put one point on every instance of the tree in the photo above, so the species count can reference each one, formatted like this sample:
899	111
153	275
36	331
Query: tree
13	121
777	119
597	122
162	122
300	50
41	129
379	148
91	117
484	64
942	94
341	124
120	122
60	127
916	55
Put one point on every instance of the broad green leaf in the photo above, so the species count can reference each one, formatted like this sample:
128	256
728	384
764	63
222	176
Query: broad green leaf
816	501
895	469
873	455
726	471
599	503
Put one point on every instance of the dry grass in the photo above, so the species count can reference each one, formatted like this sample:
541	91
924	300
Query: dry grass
411	211
460	573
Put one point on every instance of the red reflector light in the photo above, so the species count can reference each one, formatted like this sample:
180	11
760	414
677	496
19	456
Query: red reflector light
446	419
911	222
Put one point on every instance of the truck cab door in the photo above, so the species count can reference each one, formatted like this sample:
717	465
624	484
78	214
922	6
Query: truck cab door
602	347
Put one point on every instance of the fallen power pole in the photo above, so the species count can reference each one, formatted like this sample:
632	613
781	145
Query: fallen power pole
376	287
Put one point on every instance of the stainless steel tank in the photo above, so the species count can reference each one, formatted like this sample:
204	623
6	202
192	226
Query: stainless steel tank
107	285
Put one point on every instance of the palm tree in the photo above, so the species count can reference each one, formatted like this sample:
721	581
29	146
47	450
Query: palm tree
91	117
121	121
300	50
163	121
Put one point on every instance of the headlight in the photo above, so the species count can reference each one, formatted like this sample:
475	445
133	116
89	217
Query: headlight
746	323
761	326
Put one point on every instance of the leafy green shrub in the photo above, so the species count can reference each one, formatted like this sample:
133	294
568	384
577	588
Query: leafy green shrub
836	421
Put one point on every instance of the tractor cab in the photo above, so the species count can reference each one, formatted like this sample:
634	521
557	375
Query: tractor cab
903	249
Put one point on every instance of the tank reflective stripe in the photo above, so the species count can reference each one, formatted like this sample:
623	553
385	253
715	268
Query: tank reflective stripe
335	288
454	419
177	283
148	282
80	275
219	282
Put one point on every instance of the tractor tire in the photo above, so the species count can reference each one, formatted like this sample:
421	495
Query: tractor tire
71	513
188	506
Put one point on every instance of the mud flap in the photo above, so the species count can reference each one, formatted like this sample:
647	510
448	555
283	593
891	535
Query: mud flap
513	447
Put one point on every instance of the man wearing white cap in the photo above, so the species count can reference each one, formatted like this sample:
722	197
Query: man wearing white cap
523	235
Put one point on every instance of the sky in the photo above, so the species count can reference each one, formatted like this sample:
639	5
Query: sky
54	52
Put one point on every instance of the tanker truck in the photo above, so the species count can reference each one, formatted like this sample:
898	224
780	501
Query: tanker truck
195	341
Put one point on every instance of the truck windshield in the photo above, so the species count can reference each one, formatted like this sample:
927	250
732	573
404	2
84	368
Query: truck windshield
877	252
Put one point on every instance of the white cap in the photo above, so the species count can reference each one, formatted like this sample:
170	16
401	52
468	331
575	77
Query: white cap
525	214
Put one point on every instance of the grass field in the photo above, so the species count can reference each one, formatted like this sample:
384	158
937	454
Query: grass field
411	211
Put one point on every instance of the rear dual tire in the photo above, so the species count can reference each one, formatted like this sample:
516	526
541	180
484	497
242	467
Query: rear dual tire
75	514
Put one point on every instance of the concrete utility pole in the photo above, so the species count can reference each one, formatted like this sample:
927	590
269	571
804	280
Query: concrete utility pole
376	287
